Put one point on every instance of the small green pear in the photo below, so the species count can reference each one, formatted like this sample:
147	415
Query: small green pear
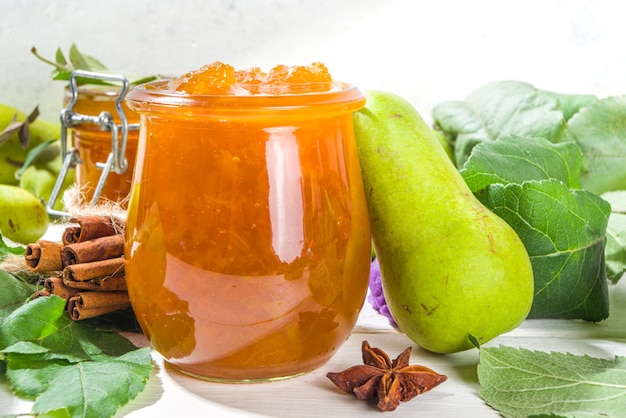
43	130
450	268
23	217
41	175
8	113
12	153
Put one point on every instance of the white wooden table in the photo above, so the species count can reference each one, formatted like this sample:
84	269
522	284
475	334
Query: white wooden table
172	394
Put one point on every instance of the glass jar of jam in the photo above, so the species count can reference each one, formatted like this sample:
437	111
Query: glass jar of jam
103	133
247	239
94	145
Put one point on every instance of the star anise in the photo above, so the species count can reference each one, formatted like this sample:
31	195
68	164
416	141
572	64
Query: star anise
390	382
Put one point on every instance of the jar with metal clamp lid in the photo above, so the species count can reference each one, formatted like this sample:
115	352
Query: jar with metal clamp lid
99	136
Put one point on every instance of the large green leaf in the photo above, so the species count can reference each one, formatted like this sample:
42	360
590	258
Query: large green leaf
83	389
44	322
570	104
600	131
528	182
524	383
564	233
516	159
14	293
32	321
503	108
616	236
69	366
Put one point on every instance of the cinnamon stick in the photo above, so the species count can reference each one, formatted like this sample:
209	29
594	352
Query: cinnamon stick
44	256
91	264
90	227
100	284
93	250
90	304
100	268
55	286
78	314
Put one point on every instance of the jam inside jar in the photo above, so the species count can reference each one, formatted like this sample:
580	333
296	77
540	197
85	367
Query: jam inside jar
94	145
247	240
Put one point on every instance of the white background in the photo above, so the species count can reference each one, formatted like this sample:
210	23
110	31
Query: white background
426	51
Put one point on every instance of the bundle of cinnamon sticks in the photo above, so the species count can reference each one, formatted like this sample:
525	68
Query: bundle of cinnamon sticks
87	269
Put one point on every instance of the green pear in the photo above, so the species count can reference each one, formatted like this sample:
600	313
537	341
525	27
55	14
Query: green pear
451	270
12	153
7	113
43	130
41	175
23	217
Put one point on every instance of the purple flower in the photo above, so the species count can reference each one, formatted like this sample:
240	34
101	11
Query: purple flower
376	297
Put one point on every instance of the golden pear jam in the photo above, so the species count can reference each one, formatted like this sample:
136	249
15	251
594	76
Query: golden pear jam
247	238
95	145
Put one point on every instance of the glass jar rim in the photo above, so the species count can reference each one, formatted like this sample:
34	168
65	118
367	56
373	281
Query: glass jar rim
151	97
96	89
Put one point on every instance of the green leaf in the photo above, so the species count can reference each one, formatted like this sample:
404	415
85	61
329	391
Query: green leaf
523	383
616	247
32	321
564	233
70	366
516	159
32	383
5	250
135	79
63	75
502	108
600	131
32	156
60	58
473	340
528	182
616	236
84	389
80	61
14	294
85	62
570	104
44	322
